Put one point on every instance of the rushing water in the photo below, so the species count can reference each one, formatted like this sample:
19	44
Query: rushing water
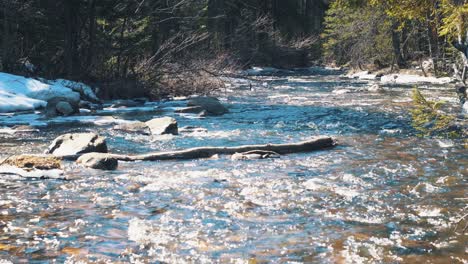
383	195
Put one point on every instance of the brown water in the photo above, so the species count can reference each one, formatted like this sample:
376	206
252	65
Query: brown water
382	196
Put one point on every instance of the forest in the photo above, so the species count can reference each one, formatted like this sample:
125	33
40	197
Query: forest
155	47
233	131
155	44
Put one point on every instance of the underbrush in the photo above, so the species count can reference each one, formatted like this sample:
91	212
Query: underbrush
430	120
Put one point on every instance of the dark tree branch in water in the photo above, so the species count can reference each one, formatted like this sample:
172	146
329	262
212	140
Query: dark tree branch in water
313	144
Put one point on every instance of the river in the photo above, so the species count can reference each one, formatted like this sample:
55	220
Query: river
383	195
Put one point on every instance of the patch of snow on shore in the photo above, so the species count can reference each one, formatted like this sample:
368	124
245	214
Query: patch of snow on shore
364	75
406	79
11	102
78	87
18	93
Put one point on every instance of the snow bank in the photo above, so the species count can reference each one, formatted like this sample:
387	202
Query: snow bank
84	90
10	102
406	79
18	93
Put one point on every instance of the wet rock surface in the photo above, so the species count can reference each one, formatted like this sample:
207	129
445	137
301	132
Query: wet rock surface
78	143
211	105
99	161
136	127
61	106
31	162
163	126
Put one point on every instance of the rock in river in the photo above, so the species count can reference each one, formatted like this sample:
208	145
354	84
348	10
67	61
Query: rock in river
77	143
136	127
210	104
31	162
99	161
33	166
64	108
61	106
163	125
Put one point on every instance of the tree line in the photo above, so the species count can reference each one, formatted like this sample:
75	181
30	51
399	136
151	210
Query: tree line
154	43
399	33
160	47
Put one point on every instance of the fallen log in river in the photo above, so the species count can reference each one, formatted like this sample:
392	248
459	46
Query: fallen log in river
313	144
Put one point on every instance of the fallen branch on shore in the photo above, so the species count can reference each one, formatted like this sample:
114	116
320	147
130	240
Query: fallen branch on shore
207	152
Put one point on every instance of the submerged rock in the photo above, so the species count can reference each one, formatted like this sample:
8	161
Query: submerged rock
137	127
192	129
99	161
77	143
203	114
33	162
376	88
209	104
190	110
163	126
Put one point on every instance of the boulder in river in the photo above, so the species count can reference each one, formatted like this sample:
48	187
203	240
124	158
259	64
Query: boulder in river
77	143
163	126
33	162
61	106
99	161
136	127
64	108
209	104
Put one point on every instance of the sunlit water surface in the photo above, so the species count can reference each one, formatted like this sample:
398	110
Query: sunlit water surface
383	195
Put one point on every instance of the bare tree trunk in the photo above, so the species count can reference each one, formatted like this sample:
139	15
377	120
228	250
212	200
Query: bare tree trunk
217	22
396	43
91	33
5	59
71	35
121	44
